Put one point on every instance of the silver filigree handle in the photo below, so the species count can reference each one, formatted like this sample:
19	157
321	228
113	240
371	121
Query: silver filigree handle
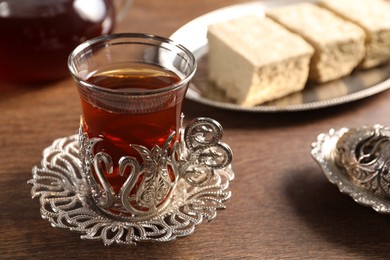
206	152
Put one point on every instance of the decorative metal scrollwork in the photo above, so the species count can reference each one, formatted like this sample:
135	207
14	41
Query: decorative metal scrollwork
68	200
205	151
151	190
200	155
364	154
356	160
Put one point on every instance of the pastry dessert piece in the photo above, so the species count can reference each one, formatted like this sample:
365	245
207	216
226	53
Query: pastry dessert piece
338	44
374	17
254	60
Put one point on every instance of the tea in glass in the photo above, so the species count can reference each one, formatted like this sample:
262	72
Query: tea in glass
132	87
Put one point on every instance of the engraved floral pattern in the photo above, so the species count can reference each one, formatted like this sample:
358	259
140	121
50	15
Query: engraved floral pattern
150	180
68	202
366	160
339	150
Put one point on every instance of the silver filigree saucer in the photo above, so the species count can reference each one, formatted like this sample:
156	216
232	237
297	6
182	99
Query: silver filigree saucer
357	161
66	200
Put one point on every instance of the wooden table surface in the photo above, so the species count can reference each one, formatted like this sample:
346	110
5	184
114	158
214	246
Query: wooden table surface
282	205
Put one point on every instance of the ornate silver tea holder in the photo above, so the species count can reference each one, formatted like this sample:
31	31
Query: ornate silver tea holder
74	193
357	161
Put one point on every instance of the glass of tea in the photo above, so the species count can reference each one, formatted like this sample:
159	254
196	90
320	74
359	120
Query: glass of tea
131	87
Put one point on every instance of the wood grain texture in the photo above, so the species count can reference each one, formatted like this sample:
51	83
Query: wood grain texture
282	205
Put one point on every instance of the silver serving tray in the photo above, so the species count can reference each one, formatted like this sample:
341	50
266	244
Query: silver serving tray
360	84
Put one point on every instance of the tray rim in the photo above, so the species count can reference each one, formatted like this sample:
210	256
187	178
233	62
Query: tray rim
195	45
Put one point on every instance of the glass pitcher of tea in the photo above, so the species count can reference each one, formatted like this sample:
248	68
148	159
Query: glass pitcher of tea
38	35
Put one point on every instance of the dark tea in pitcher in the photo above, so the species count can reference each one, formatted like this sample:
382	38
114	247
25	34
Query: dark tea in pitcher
38	35
146	121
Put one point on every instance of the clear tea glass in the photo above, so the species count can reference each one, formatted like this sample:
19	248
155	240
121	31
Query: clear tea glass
131	87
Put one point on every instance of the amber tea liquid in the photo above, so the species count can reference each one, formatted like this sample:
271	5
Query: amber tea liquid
122	125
